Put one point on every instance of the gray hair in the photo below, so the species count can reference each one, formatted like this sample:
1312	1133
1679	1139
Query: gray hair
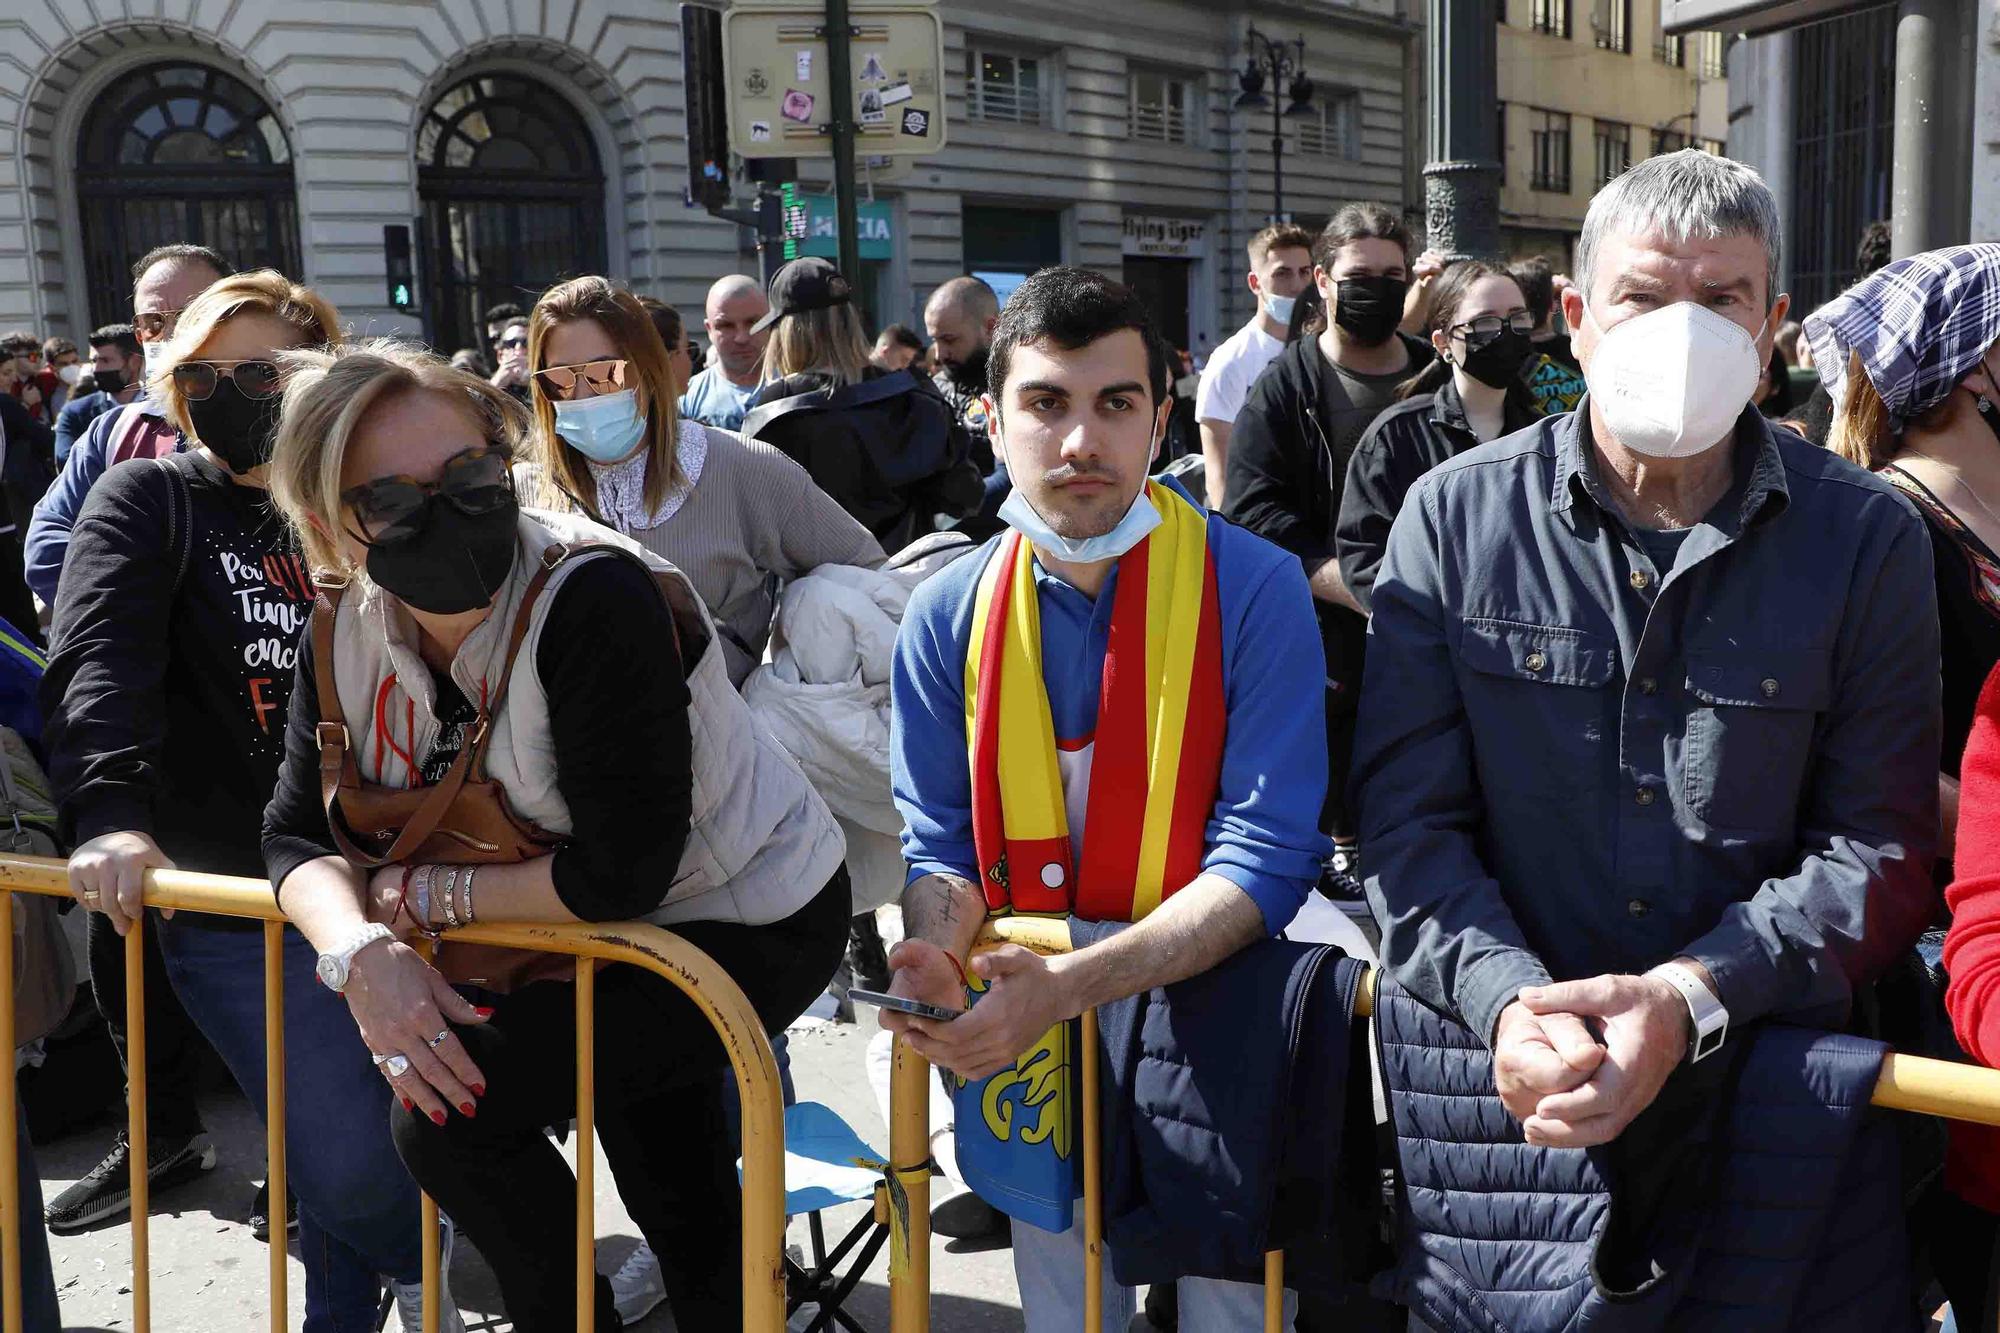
1681	196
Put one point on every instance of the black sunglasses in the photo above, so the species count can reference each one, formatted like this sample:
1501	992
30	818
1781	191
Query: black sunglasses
392	510
509	344
1479	332
254	379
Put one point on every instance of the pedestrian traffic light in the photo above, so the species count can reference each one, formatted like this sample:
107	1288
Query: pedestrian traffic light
401	267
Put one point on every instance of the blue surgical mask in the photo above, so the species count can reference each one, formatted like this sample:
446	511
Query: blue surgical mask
1132	529
1279	308
603	429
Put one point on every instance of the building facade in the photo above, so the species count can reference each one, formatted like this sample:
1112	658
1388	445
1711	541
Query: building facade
1588	87
525	142
1813	108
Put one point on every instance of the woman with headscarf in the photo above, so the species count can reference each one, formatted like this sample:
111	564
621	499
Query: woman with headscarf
1911	355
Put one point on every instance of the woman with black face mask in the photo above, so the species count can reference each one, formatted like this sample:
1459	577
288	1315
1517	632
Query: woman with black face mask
536	723
1479	326
170	668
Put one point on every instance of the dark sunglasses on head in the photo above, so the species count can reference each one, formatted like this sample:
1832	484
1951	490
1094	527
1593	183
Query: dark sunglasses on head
254	379
601	376
474	481
1486	328
156	323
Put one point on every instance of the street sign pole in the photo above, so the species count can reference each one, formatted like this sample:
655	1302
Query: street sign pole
840	75
1462	179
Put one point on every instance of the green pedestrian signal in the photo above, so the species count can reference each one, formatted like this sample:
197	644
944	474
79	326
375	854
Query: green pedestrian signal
400	265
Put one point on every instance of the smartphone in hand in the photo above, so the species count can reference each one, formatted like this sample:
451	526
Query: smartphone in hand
882	1000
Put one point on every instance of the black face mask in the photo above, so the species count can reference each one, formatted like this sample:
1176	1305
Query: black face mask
110	381
1497	361
970	374
1369	309
236	429
454	565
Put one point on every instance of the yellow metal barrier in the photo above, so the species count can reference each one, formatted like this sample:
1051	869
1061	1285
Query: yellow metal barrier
660	951
1906	1083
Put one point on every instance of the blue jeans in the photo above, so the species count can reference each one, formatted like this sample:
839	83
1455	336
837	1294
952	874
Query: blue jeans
358	1210
38	1280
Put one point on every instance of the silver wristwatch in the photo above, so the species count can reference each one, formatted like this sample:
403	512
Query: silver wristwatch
1710	1020
332	968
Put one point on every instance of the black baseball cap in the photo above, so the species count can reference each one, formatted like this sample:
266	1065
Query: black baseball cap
805	284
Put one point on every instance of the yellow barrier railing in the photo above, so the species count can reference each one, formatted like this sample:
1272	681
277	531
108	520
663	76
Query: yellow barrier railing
1906	1083
657	950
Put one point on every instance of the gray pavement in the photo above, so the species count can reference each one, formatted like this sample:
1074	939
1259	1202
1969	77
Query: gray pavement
208	1273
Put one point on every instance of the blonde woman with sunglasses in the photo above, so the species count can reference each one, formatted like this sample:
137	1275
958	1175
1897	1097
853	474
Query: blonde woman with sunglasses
532	679
170	670
734	517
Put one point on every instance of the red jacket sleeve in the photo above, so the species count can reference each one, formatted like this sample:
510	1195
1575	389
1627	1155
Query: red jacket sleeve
1972	949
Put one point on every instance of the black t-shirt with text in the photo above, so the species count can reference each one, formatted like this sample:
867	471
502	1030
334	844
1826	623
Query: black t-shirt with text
177	630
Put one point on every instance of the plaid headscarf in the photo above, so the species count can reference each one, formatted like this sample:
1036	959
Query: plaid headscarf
1919	326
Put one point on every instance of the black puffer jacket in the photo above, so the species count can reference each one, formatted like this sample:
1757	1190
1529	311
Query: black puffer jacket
889	449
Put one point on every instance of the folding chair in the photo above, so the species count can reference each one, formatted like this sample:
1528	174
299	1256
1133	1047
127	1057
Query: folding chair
826	1163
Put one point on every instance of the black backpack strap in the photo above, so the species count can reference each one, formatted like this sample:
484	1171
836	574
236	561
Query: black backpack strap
180	520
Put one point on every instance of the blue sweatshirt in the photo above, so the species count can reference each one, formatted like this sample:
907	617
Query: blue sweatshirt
1263	834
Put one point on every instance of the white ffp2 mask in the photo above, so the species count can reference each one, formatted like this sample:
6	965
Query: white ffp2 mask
1671	383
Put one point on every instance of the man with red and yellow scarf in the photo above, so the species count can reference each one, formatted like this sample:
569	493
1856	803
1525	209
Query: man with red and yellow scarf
1118	661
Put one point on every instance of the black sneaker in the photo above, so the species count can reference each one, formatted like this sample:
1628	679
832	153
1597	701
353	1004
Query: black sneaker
1340	881
107	1192
867	960
260	1213
968	1217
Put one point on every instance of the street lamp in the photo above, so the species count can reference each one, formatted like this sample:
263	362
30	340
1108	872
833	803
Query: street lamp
1284	65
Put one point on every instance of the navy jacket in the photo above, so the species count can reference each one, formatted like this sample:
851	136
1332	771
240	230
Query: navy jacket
1760	1193
1226	1099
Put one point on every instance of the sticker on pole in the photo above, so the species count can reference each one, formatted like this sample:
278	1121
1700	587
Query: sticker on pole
871	107
797	106
916	123
871	68
760	131
896	92
805	66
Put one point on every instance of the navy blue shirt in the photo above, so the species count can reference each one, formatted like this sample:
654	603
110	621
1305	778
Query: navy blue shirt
1572	762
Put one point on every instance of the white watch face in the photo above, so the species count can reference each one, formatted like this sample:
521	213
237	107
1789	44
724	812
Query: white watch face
332	974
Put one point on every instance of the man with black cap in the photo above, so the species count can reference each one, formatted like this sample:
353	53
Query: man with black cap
886	445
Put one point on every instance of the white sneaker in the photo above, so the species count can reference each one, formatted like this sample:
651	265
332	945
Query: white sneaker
410	1295
638	1286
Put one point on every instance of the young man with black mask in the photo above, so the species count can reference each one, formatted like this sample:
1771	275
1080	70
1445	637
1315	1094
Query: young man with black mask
1290	445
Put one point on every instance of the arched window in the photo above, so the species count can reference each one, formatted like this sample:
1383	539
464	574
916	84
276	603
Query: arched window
513	199
181	152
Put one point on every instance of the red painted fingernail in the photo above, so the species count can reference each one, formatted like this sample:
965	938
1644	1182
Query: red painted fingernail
438	1116
467	1109
409	1105
484	1011
479	1089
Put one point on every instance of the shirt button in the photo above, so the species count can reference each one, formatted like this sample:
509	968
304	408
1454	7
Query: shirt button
1770	688
1644	796
1537	660
1638	907
1640	578
1649	686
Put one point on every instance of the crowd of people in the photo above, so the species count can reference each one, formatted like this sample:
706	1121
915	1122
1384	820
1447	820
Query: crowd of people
1613	653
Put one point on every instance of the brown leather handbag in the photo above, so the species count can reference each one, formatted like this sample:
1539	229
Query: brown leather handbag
462	820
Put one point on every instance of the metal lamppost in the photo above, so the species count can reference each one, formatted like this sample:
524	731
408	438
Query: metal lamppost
1284	65
1462	179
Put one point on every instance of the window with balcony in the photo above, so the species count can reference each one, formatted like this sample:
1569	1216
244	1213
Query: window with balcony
1161	106
1548	140
1612	20
1334	127
1614	151
1003	86
1671	51
1710	50
1549	16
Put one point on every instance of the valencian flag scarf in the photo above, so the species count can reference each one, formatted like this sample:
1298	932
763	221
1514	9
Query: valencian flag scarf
1156	763
1160	723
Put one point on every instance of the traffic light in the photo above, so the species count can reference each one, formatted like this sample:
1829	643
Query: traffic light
707	107
401	267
